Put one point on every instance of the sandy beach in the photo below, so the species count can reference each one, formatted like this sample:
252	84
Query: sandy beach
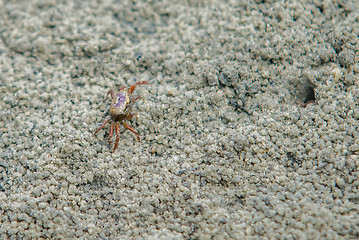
249	128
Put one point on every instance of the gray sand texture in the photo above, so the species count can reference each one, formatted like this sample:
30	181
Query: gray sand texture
249	128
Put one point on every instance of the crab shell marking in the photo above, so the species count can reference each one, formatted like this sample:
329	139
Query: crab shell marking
119	106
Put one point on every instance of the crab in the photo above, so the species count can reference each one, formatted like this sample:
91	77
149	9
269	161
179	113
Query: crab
121	111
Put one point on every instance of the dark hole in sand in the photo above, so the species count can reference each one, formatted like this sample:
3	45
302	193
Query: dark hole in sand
309	95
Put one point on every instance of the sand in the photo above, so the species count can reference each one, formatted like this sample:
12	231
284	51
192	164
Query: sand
249	129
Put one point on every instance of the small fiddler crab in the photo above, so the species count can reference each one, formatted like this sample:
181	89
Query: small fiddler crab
120	111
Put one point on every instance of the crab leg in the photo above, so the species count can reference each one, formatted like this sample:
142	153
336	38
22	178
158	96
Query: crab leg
137	98
110	133
111	92
117	130
132	130
132	88
102	126
129	116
